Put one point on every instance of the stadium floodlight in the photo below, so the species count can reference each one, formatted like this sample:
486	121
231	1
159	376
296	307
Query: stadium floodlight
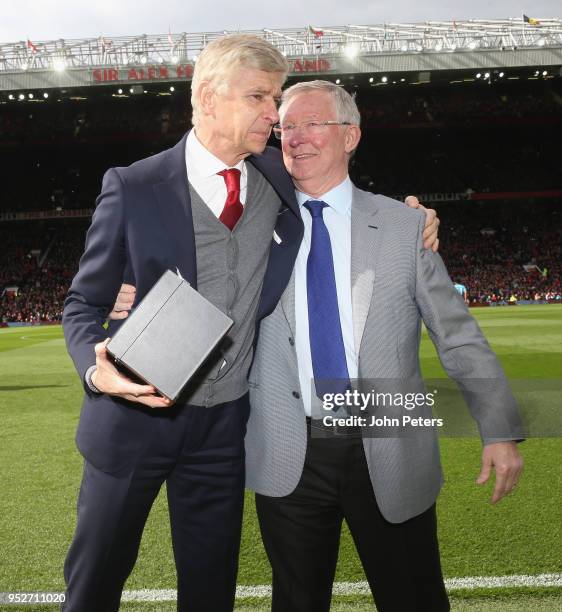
384	79
478	75
338	81
501	75
473	44
545	72
119	91
419	48
402	80
30	96
351	51
11	97
541	42
143	59
59	64
174	59
439	46
21	97
486	75
45	95
172	88
24	66
131	90
194	58
371	79
404	47
454	47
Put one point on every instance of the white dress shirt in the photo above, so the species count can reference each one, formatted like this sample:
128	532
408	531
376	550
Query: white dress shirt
202	167
337	217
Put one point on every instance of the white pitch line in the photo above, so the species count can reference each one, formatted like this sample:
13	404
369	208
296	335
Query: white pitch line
362	588
492	582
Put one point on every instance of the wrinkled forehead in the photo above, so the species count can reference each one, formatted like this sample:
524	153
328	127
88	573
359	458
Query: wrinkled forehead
247	76
251	71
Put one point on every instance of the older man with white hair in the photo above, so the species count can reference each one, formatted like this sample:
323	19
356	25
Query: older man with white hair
351	317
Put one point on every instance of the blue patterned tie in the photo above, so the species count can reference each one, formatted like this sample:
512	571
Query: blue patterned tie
326	340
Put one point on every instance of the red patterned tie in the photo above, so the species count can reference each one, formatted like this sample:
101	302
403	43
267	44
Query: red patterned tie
232	207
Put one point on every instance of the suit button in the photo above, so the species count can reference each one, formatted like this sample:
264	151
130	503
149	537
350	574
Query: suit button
292	341
296	395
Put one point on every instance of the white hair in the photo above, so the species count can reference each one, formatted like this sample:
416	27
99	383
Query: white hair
344	103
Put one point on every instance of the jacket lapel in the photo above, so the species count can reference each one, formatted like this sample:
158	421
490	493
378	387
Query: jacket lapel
366	234
174	207
289	229
288	303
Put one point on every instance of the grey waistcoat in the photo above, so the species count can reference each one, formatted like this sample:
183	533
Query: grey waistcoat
230	271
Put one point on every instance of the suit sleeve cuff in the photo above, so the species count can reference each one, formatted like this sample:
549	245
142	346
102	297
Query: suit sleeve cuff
88	379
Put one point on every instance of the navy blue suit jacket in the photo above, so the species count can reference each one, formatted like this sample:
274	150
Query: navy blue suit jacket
143	226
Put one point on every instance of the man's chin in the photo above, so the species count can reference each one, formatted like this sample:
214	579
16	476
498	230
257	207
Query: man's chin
253	145
257	149
298	173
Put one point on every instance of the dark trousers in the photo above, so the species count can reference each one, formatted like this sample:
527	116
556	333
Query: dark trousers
199	453
301	534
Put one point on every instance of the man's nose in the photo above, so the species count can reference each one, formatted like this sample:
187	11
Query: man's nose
271	114
297	135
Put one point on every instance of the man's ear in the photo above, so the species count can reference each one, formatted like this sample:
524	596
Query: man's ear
352	138
206	96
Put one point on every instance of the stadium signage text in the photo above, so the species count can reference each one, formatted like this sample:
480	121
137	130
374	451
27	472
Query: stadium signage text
317	65
144	73
185	71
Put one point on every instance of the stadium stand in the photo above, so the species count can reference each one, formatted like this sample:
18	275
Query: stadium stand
464	139
36	267
499	250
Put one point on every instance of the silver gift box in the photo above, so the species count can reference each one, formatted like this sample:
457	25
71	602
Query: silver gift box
169	335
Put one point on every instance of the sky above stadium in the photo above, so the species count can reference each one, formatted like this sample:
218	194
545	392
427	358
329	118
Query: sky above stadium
52	19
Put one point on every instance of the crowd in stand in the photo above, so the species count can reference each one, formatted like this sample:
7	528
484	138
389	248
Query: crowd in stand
89	116
461	107
502	252
36	268
415	141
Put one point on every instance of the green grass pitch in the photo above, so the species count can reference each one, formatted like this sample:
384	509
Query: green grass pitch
40	397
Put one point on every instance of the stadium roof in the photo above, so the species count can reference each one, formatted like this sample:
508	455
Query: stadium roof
431	45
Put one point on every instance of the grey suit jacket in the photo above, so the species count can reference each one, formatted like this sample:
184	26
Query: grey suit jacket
395	285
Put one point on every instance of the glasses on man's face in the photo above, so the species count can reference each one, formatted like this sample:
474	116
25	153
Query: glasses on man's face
311	127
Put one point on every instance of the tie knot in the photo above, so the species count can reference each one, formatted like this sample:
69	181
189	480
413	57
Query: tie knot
315	207
231	178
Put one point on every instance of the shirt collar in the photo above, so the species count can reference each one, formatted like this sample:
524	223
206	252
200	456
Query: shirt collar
338	198
201	162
